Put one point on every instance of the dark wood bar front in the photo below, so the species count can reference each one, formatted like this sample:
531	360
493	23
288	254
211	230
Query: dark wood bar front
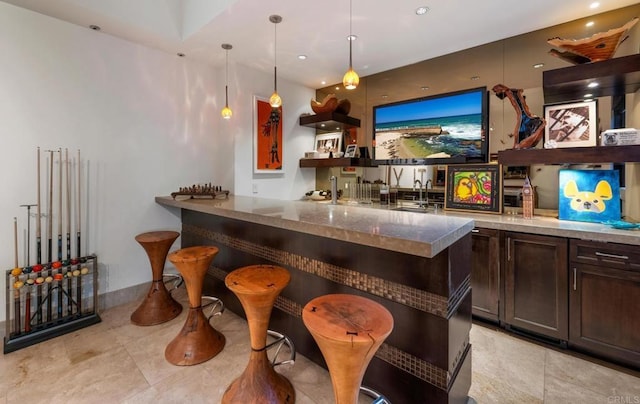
427	357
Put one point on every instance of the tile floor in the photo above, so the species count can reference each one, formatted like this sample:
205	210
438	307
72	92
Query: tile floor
117	362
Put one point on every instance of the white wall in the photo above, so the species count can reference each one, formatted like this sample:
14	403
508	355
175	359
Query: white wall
146	122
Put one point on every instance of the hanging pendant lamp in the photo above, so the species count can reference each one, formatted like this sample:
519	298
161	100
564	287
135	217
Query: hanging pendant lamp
350	79
275	101
226	111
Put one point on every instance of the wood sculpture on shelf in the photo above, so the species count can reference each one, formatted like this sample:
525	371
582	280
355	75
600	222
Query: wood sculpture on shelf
597	47
529	128
330	103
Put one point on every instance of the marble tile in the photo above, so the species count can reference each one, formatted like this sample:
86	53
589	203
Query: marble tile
598	379
117	362
508	361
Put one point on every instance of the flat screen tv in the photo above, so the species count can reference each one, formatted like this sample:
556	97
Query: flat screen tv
446	128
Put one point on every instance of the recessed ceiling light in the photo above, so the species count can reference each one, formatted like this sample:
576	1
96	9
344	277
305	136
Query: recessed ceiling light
538	65
302	57
424	88
589	24
593	85
352	37
588	95
180	54
595	4
422	10
337	88
475	77
95	27
322	125
384	96
323	82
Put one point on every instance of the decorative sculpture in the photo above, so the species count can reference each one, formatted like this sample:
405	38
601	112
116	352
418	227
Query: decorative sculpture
330	103
597	47
529	128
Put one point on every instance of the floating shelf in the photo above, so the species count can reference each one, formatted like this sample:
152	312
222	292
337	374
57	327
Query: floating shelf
617	76
329	121
572	155
337	162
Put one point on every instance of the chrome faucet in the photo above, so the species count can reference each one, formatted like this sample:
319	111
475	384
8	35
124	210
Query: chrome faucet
420	201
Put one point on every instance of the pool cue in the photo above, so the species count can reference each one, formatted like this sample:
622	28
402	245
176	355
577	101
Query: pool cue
28	233
50	232
27	309
60	206
59	305
50	211
16	293
66	157
79	227
39	219
79	210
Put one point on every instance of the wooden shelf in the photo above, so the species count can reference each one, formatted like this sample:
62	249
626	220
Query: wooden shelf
336	162
329	122
617	76
573	155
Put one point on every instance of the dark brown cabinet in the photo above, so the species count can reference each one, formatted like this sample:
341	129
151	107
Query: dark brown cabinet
605	300
485	274
536	288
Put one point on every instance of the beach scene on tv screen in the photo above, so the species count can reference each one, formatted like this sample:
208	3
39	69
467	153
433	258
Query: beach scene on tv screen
442	127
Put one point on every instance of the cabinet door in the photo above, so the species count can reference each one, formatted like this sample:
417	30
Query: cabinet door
485	273
604	306
536	289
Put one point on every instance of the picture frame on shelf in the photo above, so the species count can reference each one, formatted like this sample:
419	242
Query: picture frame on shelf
351	150
267	137
474	188
328	143
571	124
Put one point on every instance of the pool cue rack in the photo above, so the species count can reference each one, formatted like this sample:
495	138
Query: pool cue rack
60	298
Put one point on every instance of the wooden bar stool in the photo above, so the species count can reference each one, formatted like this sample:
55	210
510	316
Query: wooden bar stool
159	306
257	287
349	330
198	341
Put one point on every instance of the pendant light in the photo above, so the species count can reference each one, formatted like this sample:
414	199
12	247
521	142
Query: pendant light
226	111
350	79
275	101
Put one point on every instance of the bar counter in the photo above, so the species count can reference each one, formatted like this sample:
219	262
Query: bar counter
417	266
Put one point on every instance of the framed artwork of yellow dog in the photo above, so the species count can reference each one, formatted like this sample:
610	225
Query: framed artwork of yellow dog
589	195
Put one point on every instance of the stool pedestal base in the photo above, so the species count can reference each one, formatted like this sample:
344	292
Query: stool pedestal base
158	307
259	383
197	342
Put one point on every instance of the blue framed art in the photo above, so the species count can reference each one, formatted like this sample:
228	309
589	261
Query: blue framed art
589	195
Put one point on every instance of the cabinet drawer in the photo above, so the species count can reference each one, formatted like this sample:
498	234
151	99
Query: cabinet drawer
620	256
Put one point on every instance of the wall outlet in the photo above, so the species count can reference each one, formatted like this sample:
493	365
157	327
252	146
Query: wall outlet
254	188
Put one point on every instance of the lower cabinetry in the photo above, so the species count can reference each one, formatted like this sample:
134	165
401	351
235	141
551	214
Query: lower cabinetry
485	273
605	300
535	294
580	293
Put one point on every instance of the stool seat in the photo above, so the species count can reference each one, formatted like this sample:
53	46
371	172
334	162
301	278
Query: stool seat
349	330
158	306
198	341
257	287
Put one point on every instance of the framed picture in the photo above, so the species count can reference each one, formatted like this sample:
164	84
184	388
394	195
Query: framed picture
326	143
589	195
571	125
474	187
267	137
351	150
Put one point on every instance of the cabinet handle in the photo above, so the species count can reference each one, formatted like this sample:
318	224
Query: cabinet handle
475	231
621	257
508	248
575	281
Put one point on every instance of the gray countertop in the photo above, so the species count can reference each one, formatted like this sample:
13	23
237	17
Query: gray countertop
416	234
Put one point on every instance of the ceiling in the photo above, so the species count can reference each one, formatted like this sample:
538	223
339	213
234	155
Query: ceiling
390	34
